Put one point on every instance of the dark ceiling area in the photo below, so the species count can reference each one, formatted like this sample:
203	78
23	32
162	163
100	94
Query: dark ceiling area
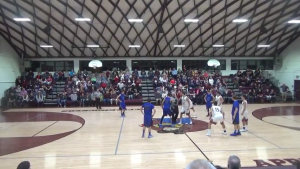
52	22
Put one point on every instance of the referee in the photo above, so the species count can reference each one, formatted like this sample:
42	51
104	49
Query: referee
174	109
98	95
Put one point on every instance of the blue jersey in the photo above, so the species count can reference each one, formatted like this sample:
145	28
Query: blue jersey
122	97
234	106
148	107
209	98
167	103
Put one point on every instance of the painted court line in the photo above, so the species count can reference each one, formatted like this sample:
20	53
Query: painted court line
20	122
44	129
197	147
117	146
290	119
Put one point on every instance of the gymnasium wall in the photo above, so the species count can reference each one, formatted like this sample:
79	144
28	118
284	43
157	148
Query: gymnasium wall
289	68
9	66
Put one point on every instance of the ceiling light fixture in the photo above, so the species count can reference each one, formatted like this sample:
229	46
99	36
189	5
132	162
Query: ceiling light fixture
46	46
92	46
240	20
263	46
22	19
217	46
179	46
191	20
294	21
134	46
82	19
135	20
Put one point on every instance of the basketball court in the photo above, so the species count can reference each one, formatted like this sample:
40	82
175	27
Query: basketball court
85	138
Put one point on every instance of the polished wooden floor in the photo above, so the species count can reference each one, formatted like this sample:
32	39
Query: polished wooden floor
81	138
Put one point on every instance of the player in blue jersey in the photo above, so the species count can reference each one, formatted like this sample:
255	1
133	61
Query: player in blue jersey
235	116
121	99
209	99
166	106
148	111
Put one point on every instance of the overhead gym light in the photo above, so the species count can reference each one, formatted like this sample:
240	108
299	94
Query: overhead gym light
191	20
46	46
22	19
294	21
179	46
263	46
218	46
135	20
240	20
134	46
82	19
92	46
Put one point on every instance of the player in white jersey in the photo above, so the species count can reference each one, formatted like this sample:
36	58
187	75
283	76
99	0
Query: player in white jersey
185	108
219	99
216	115
244	114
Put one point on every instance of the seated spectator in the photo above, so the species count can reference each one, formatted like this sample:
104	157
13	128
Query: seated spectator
174	73
113	97
136	94
74	98
82	99
129	94
150	74
200	164
120	85
39	99
158	97
71	73
143	74
31	99
234	162
260	95
11	100
25	100
106	98
88	99
273	95
250	96
267	94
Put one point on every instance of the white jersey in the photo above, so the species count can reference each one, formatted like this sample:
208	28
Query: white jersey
218	99
245	115
216	111
185	101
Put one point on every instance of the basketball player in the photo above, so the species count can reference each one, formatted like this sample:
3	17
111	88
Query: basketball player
209	99
174	109
148	111
235	116
166	106
185	109
219	99
121	99
216	114
244	114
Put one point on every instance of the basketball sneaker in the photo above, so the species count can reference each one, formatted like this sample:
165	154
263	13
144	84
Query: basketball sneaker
243	130
224	133
208	134
233	134
191	122
150	136
238	133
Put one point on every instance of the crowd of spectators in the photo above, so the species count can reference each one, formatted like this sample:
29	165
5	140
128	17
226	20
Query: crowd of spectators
81	87
30	90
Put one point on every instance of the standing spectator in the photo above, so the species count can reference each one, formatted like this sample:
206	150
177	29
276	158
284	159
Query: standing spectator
93	99
82	99
98	96
129	94
174	73
150	74
71	73
143	74
284	89
39	99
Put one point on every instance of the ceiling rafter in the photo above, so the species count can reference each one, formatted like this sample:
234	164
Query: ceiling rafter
5	24
237	28
35	37
16	48
163	7
21	26
256	22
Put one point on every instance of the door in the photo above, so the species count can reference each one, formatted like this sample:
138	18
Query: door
297	89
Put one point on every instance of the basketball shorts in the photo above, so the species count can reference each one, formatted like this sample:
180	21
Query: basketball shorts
208	105
217	118
148	120
175	110
185	110
167	112
123	105
236	120
245	116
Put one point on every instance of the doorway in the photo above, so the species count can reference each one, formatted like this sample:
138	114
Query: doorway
297	89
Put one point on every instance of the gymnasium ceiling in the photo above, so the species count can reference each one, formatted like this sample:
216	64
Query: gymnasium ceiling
53	23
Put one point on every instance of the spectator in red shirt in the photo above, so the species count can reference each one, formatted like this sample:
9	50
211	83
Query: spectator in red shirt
172	81
38	76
